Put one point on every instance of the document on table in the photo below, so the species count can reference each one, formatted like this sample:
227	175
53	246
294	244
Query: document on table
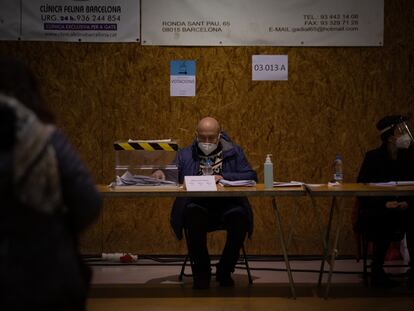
169	140
288	184
237	183
393	183
128	179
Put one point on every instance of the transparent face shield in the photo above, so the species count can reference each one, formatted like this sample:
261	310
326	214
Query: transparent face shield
404	136
404	128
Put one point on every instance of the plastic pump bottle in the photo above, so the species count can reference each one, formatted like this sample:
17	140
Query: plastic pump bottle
338	175
208	167
268	173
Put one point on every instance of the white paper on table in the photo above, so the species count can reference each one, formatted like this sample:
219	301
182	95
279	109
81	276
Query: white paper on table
288	184
314	185
393	183
168	140
200	183
237	183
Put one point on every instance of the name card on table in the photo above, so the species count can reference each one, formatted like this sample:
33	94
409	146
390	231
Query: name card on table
200	183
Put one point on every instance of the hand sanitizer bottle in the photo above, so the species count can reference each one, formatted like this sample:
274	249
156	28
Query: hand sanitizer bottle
268	173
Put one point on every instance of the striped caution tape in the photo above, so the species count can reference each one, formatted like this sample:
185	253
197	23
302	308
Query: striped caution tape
147	146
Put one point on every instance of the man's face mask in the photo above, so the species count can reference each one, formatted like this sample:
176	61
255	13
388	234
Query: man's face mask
403	141
207	147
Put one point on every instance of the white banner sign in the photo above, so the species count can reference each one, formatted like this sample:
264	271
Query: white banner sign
269	67
263	22
74	20
9	19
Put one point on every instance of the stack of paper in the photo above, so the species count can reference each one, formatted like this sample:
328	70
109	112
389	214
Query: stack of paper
128	179
288	184
237	183
168	140
393	183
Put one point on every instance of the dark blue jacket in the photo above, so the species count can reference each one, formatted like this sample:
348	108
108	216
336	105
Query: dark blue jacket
235	167
39	261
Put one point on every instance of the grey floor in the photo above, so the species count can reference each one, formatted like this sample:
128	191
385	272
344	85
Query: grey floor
147	278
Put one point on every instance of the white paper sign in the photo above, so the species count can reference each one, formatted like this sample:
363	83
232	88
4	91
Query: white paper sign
263	22
200	183
269	67
182	78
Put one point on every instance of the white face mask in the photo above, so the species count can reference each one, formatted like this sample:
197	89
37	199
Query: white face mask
403	142
207	148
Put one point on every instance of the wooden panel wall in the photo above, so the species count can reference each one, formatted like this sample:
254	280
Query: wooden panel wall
330	104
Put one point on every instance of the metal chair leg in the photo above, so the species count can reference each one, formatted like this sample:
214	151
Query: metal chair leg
364	258
246	262
182	272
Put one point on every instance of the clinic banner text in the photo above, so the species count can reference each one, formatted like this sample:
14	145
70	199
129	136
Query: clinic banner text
263	22
70	20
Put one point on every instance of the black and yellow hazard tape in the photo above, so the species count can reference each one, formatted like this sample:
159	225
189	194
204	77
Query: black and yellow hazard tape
147	146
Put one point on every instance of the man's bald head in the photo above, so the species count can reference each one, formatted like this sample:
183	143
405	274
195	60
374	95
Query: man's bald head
208	130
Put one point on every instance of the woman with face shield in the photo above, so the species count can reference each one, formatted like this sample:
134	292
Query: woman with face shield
382	217
404	138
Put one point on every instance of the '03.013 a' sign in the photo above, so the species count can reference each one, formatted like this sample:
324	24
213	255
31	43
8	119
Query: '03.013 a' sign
269	67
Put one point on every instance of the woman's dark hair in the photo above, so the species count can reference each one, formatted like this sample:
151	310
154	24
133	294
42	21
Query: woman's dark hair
17	81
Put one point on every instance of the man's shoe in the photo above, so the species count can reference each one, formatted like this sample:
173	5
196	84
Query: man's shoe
201	277
224	277
201	282
225	281
380	279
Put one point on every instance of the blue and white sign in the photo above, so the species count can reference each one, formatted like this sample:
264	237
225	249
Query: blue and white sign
182	78
269	67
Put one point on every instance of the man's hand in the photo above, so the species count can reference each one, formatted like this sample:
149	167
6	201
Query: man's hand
391	204
218	178
395	204
403	205
158	174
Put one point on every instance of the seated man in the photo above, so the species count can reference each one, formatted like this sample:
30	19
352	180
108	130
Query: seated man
201	215
381	217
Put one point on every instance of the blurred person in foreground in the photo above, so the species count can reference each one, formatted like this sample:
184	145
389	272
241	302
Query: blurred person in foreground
47	198
382	217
